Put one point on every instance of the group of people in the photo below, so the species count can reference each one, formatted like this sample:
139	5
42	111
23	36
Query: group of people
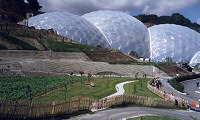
157	83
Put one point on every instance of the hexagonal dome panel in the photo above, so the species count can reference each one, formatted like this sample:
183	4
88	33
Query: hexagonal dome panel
175	41
122	31
71	26
195	59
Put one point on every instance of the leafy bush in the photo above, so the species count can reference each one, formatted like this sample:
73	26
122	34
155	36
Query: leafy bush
19	42
176	85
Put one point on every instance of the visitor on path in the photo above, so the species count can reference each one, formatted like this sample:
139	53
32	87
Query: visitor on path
176	102
197	83
167	80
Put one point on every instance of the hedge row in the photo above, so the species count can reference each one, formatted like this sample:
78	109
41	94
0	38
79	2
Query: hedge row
175	82
176	85
187	77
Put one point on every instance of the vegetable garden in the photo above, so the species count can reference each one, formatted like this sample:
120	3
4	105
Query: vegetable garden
15	88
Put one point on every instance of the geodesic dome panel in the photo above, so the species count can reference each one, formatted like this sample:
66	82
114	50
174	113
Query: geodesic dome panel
195	59
122	31
175	41
70	26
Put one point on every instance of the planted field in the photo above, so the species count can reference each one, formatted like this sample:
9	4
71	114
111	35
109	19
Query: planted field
23	87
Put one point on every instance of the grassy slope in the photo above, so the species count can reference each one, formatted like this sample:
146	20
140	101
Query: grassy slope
68	47
141	89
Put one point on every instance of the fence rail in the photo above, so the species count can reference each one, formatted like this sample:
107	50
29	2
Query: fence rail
34	110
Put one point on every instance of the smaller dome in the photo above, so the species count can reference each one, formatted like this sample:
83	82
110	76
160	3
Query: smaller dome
177	42
195	59
71	26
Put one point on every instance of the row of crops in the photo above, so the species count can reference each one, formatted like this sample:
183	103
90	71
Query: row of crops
15	88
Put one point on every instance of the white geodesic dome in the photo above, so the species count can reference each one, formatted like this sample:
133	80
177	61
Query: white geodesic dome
122	31
195	59
71	26
175	41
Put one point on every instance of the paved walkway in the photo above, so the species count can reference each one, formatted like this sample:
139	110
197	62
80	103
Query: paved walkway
189	89
120	89
127	112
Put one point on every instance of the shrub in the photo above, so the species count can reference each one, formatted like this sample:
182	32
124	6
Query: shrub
176	85
175	82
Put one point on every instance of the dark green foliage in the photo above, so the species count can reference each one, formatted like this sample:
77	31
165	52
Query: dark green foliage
147	18
3	47
178	86
175	18
19	42
187	77
175	82
68	47
34	3
14	88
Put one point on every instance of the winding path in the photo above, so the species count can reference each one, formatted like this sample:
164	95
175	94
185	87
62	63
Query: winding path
120	89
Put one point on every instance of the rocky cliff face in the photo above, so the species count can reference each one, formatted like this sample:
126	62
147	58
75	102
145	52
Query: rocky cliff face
15	10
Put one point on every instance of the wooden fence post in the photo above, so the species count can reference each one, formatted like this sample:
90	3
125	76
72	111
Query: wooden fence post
69	106
30	109
53	107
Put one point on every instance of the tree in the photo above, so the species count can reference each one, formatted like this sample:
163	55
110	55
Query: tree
34	4
179	19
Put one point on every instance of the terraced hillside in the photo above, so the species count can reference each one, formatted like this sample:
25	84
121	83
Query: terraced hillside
109	56
172	69
12	34
63	67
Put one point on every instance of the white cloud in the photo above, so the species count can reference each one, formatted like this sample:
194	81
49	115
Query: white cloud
198	21
159	7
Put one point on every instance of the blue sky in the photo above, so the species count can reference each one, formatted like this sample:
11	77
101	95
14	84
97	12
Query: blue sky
193	12
189	8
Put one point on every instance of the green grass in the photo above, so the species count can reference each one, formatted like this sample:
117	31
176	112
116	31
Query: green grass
154	118
22	44
139	88
14	88
103	87
68	47
3	47
47	89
